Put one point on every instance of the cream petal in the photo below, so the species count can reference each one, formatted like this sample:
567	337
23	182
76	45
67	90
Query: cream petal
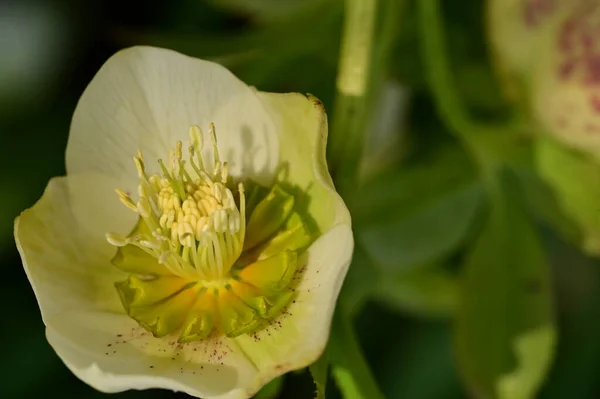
147	98
112	354
301	123
298	336
565	97
61	242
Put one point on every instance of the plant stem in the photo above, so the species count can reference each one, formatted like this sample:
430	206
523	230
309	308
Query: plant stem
488	144
350	369
350	112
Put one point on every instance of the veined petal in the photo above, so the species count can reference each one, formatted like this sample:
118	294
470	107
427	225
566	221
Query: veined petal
66	259
301	123
113	354
298	336
146	99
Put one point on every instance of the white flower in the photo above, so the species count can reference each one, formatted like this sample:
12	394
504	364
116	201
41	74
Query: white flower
143	102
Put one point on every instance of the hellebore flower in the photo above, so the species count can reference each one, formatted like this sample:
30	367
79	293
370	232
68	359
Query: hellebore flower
548	53
216	266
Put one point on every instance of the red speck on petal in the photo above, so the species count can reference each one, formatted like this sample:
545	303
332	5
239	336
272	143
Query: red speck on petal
565	71
565	38
588	41
561	122
595	102
592	64
592	129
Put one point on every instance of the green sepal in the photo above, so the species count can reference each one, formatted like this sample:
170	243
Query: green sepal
235	316
272	274
264	306
254	193
201	319
268	216
278	302
294	237
159	307
136	292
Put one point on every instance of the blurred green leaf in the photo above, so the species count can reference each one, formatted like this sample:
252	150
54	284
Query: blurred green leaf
533	349
423	292
318	371
350	369
418	362
267	10
543	203
420	213
575	179
271	390
280	39
504	332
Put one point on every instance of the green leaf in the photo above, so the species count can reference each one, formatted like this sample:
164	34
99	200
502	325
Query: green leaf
575	179
504	332
423	292
318	371
271	390
543	203
532	351
349	366
420	213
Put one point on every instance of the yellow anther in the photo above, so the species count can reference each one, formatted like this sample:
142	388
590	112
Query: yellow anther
178	150
163	220
172	162
164	257
195	134
217	192
149	244
126	199
116	239
139	165
224	172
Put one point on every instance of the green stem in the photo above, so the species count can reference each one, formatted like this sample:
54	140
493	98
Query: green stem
350	369
487	143
350	113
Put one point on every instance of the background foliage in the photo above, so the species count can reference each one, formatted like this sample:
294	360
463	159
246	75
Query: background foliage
467	279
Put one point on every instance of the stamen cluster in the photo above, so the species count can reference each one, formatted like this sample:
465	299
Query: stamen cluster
192	222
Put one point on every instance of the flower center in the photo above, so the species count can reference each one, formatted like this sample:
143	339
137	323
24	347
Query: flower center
200	262
197	230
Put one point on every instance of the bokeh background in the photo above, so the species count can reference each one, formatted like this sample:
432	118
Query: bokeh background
415	220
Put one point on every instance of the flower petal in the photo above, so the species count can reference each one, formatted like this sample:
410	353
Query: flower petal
298	336
302	126
147	98
565	98
113	354
63	248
